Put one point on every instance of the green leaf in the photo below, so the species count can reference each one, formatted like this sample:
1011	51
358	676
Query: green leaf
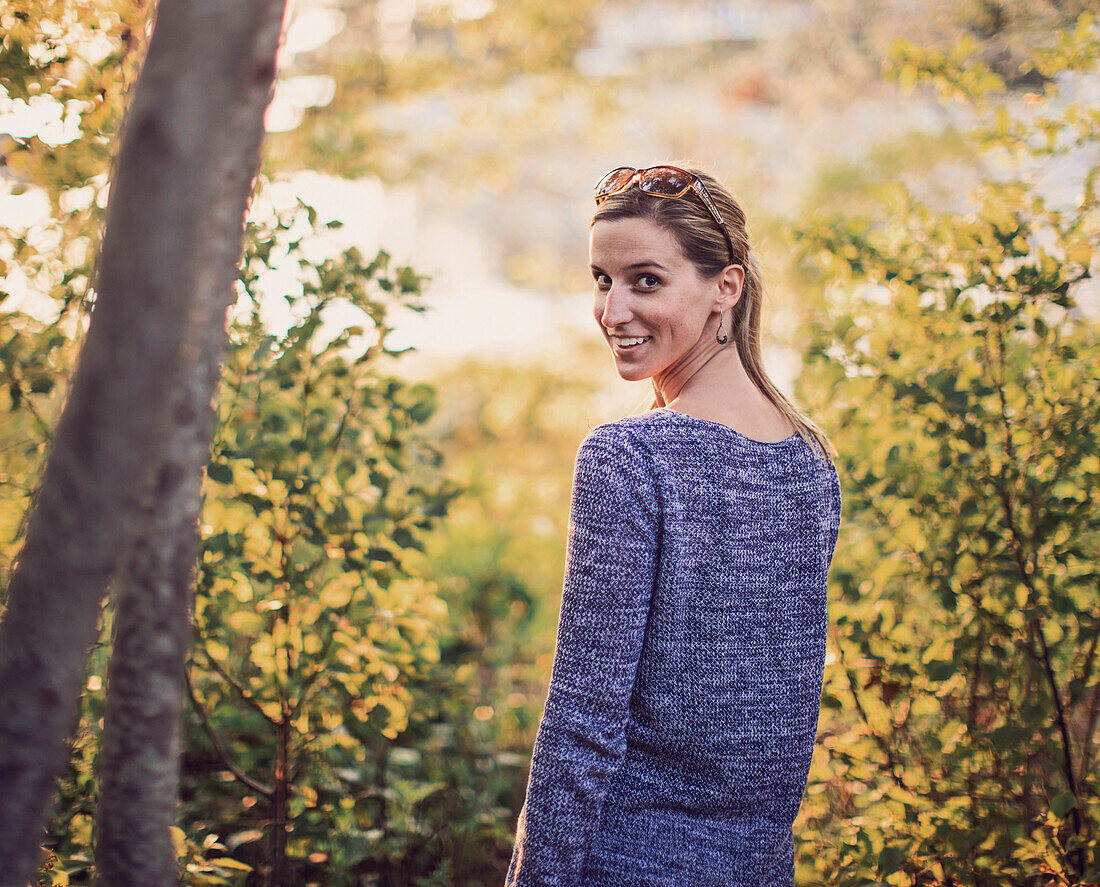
1062	804
219	472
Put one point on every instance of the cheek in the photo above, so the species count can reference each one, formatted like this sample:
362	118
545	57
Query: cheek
669	323
685	319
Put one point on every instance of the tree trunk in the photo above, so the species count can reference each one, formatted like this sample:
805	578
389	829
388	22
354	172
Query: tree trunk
189	153
280	801
139	752
138	765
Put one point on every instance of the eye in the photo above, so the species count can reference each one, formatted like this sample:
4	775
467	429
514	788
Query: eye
603	282
648	281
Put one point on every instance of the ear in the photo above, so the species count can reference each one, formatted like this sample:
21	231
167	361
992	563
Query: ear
729	286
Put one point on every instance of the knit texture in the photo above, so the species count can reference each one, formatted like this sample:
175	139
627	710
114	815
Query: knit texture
684	696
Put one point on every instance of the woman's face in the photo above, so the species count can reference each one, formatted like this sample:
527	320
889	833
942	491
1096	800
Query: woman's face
650	301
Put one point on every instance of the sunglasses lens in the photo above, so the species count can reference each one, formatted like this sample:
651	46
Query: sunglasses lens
614	181
666	181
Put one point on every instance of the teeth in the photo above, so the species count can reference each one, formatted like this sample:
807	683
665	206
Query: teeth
627	342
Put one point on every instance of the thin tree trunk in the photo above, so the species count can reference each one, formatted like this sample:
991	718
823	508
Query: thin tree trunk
280	802
140	746
189	153
138	764
139	759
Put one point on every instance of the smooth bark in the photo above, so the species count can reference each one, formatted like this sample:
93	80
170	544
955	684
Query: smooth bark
189	152
138	766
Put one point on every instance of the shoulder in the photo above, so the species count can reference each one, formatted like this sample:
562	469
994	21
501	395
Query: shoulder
619	450
616	481
625	439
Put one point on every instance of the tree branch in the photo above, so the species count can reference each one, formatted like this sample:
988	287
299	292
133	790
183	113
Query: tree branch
220	748
1019	552
241	690
879	741
1094	705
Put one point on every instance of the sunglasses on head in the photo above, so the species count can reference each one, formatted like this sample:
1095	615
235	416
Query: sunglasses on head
661	181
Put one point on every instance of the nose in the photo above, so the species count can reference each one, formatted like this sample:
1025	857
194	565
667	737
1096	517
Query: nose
615	309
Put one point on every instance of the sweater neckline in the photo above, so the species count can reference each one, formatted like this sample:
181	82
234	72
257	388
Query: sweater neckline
753	442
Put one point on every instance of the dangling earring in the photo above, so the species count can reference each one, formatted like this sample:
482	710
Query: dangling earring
720	334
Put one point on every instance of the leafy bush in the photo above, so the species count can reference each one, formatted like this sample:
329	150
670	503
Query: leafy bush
315	638
961	373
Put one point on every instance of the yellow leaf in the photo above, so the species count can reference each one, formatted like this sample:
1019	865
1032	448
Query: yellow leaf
226	862
80	830
217	650
179	840
336	594
925	705
246	622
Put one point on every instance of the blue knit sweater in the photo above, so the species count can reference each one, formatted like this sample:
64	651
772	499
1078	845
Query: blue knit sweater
683	703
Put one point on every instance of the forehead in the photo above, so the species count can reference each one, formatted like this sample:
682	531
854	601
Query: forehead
632	241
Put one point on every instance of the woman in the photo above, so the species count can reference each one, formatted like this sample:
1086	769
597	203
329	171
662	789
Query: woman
684	697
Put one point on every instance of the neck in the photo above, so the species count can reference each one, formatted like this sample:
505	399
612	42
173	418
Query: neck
669	384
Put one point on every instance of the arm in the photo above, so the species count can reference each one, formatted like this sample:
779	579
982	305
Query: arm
611	563
833	530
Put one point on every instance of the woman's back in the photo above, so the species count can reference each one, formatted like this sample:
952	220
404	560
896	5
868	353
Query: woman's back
687	676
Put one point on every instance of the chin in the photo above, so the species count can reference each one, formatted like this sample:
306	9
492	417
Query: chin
631	374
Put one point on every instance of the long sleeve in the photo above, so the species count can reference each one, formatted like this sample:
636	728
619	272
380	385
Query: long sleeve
611	563
833	529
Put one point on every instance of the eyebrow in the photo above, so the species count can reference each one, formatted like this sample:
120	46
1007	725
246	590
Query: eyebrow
636	266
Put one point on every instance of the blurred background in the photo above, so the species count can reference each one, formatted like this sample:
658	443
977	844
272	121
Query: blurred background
920	182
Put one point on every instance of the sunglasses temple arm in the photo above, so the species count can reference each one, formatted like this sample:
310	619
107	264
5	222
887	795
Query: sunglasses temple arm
701	190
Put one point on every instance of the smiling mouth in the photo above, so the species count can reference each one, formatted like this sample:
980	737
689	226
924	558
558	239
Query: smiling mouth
629	341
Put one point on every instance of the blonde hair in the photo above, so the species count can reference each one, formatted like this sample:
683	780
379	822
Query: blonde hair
703	244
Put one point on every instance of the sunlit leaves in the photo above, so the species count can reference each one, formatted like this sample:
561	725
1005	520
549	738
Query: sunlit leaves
1051	124
308	617
69	64
960	372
